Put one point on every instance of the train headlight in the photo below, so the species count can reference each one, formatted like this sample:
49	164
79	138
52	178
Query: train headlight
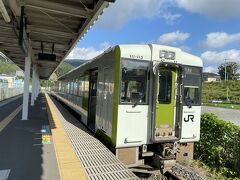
163	54
170	55
167	55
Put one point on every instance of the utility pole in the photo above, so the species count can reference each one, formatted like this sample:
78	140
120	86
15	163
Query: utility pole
226	76
227	94
225	69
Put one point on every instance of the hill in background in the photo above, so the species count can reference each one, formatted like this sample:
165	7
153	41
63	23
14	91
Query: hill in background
218	91
68	65
8	68
75	62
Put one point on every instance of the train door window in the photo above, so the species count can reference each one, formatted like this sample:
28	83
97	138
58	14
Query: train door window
92	99
134	81
165	87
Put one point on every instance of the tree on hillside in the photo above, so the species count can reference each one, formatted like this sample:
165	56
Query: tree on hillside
231	70
63	69
8	68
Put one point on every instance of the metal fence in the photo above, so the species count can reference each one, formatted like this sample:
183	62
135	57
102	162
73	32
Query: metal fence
10	90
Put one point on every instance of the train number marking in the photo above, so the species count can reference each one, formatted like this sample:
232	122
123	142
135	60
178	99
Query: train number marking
190	117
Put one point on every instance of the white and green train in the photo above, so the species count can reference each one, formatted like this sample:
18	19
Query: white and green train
141	100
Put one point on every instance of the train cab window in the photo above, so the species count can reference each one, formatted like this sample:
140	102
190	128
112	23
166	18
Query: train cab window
134	82
192	85
191	95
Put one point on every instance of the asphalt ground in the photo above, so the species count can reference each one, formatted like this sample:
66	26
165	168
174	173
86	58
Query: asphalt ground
24	155
230	115
7	106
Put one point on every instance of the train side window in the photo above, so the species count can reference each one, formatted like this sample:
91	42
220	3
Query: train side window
76	87
134	82
68	87
80	86
165	87
85	92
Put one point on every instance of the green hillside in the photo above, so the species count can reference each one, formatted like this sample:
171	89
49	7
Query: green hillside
75	62
218	91
63	69
68	65
7	68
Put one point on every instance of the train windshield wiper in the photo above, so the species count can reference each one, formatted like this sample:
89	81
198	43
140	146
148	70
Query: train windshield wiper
188	102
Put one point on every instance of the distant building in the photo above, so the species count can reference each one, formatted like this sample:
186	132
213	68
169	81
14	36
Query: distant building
211	77
19	73
237	77
10	81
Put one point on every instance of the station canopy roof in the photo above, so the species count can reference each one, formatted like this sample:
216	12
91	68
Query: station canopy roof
54	27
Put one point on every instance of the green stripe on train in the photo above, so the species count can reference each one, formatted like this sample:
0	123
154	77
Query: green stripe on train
116	94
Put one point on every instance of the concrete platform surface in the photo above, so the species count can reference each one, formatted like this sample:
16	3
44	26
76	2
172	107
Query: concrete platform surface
27	151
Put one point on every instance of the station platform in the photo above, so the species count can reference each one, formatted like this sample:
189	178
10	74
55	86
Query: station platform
52	145
24	154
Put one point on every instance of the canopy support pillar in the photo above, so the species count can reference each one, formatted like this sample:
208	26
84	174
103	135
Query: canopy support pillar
34	84
26	85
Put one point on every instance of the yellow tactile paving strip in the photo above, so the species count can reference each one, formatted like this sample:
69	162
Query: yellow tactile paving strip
69	165
9	118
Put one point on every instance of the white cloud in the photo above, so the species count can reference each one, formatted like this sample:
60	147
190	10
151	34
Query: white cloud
88	53
220	39
213	58
217	9
185	48
105	45
173	38
171	18
123	11
210	69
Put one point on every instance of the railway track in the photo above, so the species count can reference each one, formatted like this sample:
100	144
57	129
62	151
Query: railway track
179	172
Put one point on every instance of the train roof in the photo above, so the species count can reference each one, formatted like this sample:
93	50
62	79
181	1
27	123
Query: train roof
150	52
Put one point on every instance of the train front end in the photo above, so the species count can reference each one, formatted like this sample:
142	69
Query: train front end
160	104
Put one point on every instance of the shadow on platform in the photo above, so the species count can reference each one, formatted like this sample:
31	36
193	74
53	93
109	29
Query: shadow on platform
22	151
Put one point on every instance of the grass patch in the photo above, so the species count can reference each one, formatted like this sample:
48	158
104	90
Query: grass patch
219	146
218	91
228	106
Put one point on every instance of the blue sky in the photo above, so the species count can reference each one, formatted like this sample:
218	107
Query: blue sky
209	29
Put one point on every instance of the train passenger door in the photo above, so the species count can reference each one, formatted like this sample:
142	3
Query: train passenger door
165	100
92	99
107	104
